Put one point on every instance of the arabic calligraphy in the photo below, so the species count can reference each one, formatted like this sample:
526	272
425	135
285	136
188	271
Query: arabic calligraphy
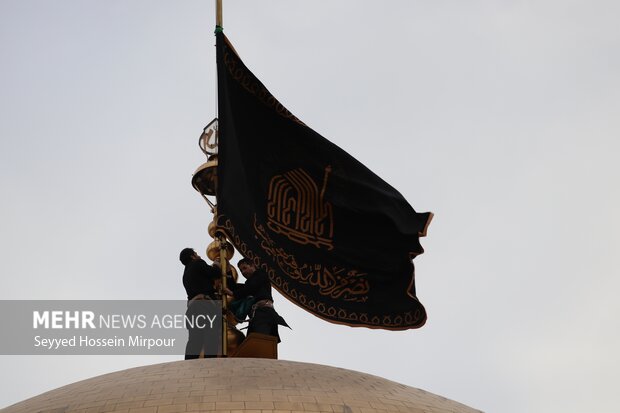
333	282
297	209
326	309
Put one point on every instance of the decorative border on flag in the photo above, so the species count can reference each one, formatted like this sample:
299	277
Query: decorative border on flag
407	320
246	79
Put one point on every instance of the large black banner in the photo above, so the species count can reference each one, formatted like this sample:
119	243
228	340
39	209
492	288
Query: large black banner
334	238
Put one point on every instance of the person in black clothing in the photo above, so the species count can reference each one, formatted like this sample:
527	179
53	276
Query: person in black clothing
198	277
198	280
263	318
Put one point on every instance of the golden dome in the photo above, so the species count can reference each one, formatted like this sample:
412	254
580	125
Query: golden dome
238	385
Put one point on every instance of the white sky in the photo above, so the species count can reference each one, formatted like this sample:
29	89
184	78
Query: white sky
502	117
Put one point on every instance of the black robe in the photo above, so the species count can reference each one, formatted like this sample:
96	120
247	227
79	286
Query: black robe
265	320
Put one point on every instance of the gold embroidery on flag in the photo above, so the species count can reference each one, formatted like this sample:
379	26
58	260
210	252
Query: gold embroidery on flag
334	282
253	86
405	320
297	209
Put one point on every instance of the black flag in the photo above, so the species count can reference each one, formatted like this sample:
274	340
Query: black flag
334	238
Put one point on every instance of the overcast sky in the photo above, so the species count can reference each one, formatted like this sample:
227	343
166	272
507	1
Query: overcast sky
502	117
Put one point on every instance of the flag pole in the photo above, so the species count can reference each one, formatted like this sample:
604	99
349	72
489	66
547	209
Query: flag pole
224	287
218	14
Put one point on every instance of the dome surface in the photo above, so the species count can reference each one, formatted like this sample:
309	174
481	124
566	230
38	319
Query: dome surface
237	386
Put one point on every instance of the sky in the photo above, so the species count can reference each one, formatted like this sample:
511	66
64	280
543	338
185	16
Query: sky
501	117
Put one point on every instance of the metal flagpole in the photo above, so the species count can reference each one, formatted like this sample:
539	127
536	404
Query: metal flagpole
224	267
218	14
